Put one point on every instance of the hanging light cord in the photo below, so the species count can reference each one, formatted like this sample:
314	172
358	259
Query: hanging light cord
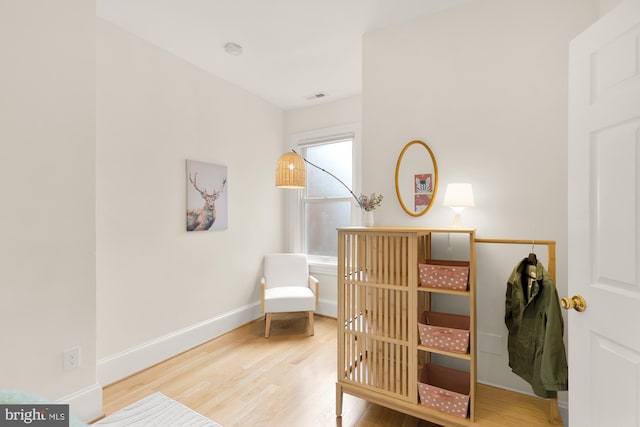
329	173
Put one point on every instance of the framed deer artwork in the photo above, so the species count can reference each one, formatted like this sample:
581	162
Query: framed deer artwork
206	196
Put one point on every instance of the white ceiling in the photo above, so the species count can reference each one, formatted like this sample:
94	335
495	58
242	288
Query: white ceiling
293	49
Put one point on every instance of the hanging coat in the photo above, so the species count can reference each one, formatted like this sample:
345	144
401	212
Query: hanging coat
534	319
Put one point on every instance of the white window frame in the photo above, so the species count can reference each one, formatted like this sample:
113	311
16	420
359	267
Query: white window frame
318	264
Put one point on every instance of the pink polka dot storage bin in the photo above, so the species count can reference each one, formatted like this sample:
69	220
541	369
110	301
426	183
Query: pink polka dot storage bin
441	274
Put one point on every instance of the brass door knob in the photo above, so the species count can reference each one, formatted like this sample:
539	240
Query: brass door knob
577	303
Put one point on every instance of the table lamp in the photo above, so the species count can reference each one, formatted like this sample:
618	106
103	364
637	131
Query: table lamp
457	197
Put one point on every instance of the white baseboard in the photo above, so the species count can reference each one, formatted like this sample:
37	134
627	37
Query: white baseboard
327	308
86	404
121	365
563	408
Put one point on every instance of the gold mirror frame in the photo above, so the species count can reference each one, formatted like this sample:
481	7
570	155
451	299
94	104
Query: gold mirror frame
417	194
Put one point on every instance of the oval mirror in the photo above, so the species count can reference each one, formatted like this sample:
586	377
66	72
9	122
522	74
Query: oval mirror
416	178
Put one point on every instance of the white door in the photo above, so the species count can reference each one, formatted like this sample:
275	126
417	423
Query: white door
604	221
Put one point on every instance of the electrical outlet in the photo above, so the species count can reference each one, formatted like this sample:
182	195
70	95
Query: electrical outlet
71	358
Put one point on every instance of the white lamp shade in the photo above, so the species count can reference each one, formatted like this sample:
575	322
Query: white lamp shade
458	196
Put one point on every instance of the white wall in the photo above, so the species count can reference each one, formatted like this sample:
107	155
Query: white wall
485	85
47	182
161	289
332	114
605	6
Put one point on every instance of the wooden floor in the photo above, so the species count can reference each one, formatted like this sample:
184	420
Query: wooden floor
243	379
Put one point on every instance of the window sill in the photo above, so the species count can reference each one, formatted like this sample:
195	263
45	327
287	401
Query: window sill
328	268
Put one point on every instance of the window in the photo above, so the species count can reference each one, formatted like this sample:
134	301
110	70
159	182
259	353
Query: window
325	204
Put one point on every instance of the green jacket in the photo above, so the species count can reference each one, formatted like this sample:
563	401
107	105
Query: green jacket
534	320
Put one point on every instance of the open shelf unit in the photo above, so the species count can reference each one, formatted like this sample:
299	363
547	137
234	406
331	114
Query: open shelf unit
380	301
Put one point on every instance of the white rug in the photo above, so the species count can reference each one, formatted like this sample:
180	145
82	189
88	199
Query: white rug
156	410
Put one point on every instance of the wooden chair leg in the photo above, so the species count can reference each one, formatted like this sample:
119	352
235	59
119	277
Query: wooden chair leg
338	400
311	322
267	326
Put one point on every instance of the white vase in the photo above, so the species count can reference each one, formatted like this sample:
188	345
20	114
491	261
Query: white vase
368	218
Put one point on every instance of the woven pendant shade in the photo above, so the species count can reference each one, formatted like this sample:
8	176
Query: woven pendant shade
291	171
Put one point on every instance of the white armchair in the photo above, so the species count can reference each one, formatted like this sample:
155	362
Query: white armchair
287	287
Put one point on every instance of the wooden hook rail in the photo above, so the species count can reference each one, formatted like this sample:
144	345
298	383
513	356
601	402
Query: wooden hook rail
550	244
553	413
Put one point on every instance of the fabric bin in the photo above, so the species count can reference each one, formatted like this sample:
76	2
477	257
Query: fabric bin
442	274
445	389
445	331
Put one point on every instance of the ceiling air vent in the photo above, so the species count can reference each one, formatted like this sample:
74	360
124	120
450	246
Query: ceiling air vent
316	96
233	49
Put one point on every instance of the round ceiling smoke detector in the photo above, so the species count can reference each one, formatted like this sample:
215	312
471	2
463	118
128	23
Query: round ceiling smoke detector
233	49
